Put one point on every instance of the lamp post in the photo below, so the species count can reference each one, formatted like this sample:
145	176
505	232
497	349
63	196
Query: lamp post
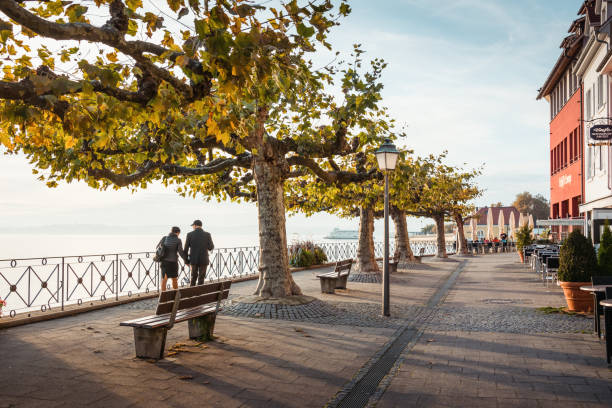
386	156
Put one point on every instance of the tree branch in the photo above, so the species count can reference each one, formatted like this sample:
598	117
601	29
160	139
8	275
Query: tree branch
112	35
331	177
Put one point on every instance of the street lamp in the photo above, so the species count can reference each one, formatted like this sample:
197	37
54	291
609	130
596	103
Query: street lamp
386	156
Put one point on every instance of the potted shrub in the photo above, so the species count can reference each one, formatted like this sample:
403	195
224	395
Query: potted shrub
523	239
577	263
604	257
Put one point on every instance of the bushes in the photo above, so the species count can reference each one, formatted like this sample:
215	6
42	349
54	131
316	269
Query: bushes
523	237
605	251
306	253
577	260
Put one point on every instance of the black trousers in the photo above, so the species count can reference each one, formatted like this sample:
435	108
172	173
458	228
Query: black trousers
198	273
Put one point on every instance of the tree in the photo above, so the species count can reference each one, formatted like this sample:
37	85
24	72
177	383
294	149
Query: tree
497	204
310	195
232	109
363	199
434	190
537	205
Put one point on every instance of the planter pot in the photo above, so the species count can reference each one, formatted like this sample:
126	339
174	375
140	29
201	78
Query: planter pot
577	300
522	256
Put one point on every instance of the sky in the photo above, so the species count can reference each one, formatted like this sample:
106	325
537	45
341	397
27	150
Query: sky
463	76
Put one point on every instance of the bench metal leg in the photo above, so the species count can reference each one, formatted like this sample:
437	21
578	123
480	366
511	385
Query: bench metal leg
150	343
328	285
341	282
202	328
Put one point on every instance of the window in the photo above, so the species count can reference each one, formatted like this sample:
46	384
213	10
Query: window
571	147
600	91
551	163
588	104
480	234
589	168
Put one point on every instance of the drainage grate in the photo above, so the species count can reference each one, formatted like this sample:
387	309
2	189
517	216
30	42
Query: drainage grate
359	395
361	389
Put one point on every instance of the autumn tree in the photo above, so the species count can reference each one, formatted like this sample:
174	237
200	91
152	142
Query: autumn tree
434	190
309	195
462	191
230	104
537	205
364	200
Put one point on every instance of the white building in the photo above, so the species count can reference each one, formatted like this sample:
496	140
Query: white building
594	68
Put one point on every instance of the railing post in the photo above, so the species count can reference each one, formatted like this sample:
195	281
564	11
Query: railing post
63	283
117	276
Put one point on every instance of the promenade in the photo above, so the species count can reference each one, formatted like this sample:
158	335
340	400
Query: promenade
463	332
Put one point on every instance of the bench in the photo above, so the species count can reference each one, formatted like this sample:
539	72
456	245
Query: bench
336	279
393	264
198	305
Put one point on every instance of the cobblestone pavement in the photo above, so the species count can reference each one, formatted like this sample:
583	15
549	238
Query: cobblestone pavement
488	346
88	360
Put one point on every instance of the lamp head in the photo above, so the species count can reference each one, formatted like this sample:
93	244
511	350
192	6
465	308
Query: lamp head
387	155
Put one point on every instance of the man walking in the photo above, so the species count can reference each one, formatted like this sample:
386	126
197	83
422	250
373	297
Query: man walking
197	245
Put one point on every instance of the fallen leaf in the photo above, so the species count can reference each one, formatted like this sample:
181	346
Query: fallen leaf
186	377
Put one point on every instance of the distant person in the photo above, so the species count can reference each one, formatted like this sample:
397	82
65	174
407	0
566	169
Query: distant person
169	262
197	245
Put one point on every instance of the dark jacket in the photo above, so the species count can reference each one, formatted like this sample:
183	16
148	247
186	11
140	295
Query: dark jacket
174	246
197	245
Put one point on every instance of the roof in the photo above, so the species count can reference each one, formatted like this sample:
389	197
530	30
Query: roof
571	45
482	215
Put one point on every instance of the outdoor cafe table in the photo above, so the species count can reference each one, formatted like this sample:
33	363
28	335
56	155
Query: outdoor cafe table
597	291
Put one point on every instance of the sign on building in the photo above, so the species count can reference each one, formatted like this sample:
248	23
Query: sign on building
601	132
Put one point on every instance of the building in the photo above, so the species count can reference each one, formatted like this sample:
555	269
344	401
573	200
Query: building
563	91
491	222
594	67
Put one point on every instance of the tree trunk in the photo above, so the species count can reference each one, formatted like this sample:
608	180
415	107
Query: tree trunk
366	257
275	280
461	242
402	240
439	219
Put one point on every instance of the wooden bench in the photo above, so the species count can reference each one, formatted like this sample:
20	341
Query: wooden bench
393	264
198	305
336	279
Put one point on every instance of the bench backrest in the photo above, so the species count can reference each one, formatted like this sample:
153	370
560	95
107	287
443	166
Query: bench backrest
192	297
344	265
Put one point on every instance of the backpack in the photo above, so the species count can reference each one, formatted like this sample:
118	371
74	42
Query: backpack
160	251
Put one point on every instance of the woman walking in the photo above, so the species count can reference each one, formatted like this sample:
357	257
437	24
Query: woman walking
169	263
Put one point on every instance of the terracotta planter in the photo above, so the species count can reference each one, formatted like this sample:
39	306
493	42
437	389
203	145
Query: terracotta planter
577	300
522	256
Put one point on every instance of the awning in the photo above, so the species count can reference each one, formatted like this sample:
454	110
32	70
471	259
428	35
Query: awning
560	221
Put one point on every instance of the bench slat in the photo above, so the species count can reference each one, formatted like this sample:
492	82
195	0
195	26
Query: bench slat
163	308
168	295
154	321
332	275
